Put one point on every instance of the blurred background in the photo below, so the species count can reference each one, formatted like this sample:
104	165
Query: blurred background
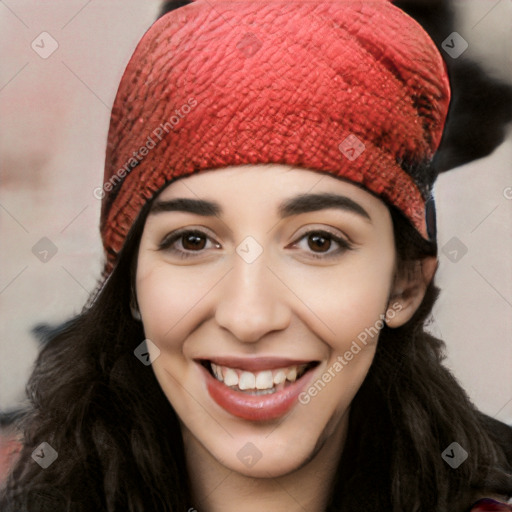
61	64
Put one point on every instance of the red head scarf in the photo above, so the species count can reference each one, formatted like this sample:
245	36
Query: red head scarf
353	88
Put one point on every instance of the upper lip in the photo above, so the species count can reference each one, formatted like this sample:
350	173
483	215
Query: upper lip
256	363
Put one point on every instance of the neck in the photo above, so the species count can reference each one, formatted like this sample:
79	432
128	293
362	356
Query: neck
216	488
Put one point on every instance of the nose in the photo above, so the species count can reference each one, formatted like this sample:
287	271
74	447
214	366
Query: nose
251	301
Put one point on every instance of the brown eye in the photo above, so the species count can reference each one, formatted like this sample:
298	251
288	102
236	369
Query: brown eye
319	243
193	242
188	243
322	245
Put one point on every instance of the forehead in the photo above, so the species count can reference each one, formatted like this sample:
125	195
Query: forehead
265	183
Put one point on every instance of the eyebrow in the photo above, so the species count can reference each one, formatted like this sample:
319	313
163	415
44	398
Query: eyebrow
303	203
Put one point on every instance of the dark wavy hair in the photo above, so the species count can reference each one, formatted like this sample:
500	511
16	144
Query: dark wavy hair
119	442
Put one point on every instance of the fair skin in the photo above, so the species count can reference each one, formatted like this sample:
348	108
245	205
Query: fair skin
306	297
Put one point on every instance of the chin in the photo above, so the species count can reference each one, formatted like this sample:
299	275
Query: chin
273	460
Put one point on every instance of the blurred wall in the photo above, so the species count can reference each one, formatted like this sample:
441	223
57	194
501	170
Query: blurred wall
54	112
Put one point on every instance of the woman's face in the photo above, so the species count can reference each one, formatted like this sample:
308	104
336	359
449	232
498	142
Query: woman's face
263	288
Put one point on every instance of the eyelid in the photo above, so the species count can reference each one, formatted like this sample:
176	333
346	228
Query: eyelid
171	238
186	229
327	229
166	244
342	240
335	233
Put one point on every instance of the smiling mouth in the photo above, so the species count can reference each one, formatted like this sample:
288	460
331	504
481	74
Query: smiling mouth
263	382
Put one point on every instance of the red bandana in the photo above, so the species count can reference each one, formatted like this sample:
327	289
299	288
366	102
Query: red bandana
353	88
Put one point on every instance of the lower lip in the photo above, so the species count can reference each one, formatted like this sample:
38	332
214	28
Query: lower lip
254	407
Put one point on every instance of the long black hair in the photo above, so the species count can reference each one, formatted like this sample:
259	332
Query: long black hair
119	442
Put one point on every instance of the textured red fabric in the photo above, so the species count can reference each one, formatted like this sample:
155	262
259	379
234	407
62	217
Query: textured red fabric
231	82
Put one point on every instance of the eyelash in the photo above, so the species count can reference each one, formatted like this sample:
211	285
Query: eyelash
168	242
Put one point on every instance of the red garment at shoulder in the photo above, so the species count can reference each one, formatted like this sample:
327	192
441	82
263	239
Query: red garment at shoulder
488	504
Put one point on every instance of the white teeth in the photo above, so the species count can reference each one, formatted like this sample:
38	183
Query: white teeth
230	377
279	377
247	381
264	380
217	372
292	374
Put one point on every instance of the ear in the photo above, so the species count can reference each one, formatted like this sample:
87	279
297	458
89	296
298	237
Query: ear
408	290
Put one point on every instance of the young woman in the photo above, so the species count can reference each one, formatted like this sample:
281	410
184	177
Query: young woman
257	342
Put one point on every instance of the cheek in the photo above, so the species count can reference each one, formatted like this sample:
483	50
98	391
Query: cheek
348	300
168	300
